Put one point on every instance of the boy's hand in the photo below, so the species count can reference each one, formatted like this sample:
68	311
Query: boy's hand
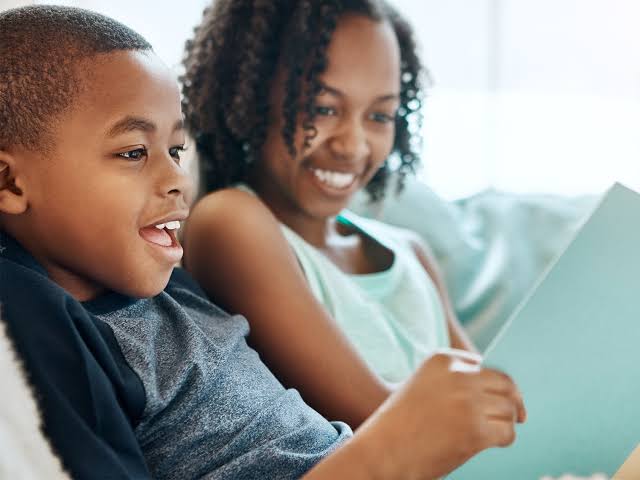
450	410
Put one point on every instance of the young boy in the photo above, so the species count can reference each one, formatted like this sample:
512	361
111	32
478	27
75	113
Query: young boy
136	373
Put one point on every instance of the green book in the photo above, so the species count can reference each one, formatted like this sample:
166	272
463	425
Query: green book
573	348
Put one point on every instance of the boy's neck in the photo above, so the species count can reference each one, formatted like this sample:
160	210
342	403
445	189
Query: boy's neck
17	250
80	289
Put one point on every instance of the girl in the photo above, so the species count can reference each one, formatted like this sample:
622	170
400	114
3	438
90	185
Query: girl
296	105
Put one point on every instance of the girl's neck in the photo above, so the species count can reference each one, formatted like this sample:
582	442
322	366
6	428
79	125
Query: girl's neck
318	231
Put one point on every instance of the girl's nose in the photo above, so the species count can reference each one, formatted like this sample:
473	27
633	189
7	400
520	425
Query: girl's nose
350	141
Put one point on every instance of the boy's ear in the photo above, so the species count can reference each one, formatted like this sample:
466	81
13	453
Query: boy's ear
12	197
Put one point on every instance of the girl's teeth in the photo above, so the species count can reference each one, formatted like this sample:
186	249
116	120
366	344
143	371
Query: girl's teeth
334	179
160	226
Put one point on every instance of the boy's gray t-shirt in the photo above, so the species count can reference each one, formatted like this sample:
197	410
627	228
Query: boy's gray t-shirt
212	408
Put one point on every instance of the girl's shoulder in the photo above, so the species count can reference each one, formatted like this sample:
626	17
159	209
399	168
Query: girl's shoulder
229	220
229	207
241	197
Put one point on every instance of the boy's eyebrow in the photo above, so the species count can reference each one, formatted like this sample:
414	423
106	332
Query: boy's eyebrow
334	91
130	124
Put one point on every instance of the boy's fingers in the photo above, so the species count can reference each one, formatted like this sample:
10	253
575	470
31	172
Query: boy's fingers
464	365
463	355
521	409
499	413
501	433
498	407
499	383
515	398
489	381
458	358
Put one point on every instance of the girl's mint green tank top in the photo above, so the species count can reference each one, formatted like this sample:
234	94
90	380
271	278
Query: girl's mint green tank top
394	318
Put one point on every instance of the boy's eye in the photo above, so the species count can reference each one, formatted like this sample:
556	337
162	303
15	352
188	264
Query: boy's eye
325	111
133	155
382	117
176	151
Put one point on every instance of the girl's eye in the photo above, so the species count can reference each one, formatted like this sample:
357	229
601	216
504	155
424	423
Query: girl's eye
176	151
134	155
325	111
382	117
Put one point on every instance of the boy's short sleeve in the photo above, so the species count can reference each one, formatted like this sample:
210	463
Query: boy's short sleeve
164	386
88	397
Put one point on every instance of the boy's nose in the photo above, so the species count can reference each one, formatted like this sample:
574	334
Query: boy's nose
177	182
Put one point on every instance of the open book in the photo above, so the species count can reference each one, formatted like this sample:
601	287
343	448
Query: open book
573	348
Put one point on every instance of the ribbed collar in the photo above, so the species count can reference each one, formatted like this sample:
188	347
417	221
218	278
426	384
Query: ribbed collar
12	251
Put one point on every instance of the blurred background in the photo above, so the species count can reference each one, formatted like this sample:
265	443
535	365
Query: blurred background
529	96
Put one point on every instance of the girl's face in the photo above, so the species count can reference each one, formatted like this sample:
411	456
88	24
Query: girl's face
355	125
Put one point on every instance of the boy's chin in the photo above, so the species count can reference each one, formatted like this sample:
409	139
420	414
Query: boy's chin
148	289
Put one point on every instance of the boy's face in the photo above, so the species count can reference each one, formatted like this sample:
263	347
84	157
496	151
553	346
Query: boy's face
94	203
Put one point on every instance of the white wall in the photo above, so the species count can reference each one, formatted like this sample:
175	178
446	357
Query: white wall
531	95
166	25
6	4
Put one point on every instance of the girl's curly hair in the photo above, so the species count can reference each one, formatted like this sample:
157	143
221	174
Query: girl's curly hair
230	64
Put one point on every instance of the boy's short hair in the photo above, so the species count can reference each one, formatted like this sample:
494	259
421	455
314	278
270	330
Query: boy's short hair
41	47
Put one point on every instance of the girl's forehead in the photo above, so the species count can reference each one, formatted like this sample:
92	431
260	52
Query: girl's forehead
360	40
363	51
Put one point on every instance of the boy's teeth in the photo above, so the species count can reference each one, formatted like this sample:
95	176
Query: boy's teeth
334	179
173	225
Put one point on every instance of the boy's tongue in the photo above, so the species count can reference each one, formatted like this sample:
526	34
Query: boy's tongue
154	235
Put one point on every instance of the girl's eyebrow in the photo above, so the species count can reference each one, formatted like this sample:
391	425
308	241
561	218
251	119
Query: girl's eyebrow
387	98
336	92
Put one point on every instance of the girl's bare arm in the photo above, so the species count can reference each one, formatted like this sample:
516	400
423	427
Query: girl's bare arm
459	338
234	247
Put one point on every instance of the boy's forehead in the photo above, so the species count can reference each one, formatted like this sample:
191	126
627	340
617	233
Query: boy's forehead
129	84
132	123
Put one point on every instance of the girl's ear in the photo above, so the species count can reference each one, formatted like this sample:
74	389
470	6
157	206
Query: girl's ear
13	199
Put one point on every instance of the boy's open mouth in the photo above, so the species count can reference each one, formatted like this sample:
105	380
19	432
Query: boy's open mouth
163	234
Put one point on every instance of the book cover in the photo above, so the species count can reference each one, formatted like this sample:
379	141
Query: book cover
573	348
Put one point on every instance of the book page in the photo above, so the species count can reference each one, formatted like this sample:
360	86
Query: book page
572	348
